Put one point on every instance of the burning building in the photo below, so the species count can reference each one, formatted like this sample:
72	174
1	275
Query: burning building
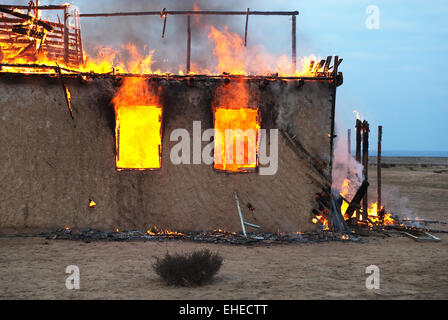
88	146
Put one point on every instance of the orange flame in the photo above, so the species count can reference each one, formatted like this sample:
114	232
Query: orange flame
320	218
138	114
237	128
154	231
372	210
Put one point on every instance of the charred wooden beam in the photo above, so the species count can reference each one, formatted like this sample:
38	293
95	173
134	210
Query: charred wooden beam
378	168
321	64
66	93
358	140
190	12
163	15
188	44
302	152
22	7
356	201
66	35
365	159
349	149
333	113
327	63
294	49
245	29
27	17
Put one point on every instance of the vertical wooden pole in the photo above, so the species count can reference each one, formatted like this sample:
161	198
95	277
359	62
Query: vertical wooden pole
378	168
79	39
365	160
66	32
349	141
245	29
333	112
188	44
294	53
358	140
349	151
36	11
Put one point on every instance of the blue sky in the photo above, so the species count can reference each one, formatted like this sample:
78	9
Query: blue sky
393	76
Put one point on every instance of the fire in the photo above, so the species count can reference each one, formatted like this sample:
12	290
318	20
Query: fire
138	137
92	204
372	210
237	129
229	49
231	55
236	144
154	231
320	218
138	122
234	58
373	215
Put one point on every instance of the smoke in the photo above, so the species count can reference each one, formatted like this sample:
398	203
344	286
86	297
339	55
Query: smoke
145	32
345	167
267	36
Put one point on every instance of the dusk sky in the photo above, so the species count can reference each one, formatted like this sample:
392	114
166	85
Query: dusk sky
393	75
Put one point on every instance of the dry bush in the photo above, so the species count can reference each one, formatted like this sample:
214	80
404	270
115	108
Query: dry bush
189	269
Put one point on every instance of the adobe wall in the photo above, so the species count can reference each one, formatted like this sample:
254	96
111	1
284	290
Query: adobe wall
49	168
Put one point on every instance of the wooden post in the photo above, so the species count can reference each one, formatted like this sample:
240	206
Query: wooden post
66	32
365	160
349	142
188	44
358	140
333	112
349	151
36	10
378	168
245	29
294	54
355	203
79	39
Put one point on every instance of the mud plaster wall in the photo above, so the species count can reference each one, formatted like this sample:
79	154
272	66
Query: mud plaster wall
49	168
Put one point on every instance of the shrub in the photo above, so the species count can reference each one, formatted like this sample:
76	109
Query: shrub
189	269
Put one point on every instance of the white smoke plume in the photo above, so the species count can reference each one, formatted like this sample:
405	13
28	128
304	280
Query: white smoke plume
345	167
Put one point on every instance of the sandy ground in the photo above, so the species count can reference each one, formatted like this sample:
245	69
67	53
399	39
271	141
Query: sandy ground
34	268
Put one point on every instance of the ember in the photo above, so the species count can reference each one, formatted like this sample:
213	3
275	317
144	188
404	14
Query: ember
212	236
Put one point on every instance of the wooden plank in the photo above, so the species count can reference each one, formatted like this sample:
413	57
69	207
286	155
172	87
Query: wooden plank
378	168
365	159
245	28
188	45
327	63
294	45
356	201
224	13
358	140
66	31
